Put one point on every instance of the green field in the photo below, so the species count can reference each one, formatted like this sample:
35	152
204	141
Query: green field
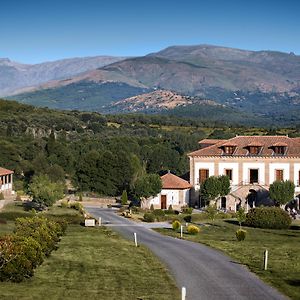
94	263
283	246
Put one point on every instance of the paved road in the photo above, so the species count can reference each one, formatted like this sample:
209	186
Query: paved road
206	273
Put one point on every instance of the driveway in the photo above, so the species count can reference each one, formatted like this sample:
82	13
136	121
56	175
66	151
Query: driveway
206	273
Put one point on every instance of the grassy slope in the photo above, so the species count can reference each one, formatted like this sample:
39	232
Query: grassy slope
94	263
283	246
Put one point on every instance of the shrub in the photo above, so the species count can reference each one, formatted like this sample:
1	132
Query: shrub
80	197
149	217
176	225
240	234
124	198
18	198
158	212
1	196
192	229
268	217
64	204
187	210
152	207
188	218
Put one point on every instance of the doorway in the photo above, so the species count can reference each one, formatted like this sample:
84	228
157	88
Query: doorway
163	201
253	175
223	203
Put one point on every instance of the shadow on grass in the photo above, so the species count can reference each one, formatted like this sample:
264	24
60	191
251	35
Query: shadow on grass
234	222
293	282
295	227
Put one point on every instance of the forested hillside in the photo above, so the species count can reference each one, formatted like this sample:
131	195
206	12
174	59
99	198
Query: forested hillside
100	153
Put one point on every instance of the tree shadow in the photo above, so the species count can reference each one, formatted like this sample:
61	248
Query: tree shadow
293	282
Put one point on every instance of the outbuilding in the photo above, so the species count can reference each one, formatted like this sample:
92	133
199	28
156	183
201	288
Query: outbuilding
175	192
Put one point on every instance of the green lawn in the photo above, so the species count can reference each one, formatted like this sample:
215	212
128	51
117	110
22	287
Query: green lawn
283	246
94	263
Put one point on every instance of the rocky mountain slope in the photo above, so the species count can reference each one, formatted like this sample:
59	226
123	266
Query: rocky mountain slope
261	82
15	76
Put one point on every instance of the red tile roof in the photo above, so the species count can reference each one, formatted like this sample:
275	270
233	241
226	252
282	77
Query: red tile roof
242	142
5	171
171	181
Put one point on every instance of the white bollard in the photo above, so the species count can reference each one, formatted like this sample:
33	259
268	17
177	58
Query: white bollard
183	293
266	259
135	239
181	230
100	221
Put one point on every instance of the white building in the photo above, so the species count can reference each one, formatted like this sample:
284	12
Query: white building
6	181
175	192
252	163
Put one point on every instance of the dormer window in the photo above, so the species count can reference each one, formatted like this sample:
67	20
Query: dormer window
279	150
254	150
229	150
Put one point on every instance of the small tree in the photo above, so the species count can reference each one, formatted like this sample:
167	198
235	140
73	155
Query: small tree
212	211
214	187
44	191
124	198
282	191
147	185
241	216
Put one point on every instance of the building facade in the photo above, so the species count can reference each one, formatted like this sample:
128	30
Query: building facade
6	181
252	163
175	192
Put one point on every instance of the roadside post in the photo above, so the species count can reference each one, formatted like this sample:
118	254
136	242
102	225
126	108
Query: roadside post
99	221
181	231
135	239
266	254
183	293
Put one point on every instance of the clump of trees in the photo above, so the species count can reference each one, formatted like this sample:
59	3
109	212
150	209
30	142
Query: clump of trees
24	250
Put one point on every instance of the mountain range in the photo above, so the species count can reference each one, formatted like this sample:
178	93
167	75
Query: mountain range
263	83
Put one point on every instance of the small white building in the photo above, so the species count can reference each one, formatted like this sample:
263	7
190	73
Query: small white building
175	191
6	181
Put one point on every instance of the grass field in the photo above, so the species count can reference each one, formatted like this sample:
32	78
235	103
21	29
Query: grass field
94	263
283	246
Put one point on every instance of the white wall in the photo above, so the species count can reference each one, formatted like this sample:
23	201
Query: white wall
173	197
261	171
296	172
279	166
235	171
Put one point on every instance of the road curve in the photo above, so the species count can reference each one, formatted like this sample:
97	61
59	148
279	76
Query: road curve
206	273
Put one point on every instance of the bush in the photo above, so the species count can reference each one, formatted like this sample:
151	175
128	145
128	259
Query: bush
149	217
240	234
187	210
188	218
176	225
33	239
152	207
64	204
192	229
1	196
158	212
18	198
268	217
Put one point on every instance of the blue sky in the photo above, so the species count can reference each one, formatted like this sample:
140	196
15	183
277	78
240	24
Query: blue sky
36	31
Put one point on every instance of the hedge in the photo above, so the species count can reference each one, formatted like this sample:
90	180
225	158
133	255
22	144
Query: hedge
268	217
21	252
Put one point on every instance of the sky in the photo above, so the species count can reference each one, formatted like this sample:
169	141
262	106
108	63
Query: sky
36	31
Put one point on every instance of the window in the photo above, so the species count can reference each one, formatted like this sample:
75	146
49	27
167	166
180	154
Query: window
279	150
279	175
254	150
228	172
228	150
203	175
